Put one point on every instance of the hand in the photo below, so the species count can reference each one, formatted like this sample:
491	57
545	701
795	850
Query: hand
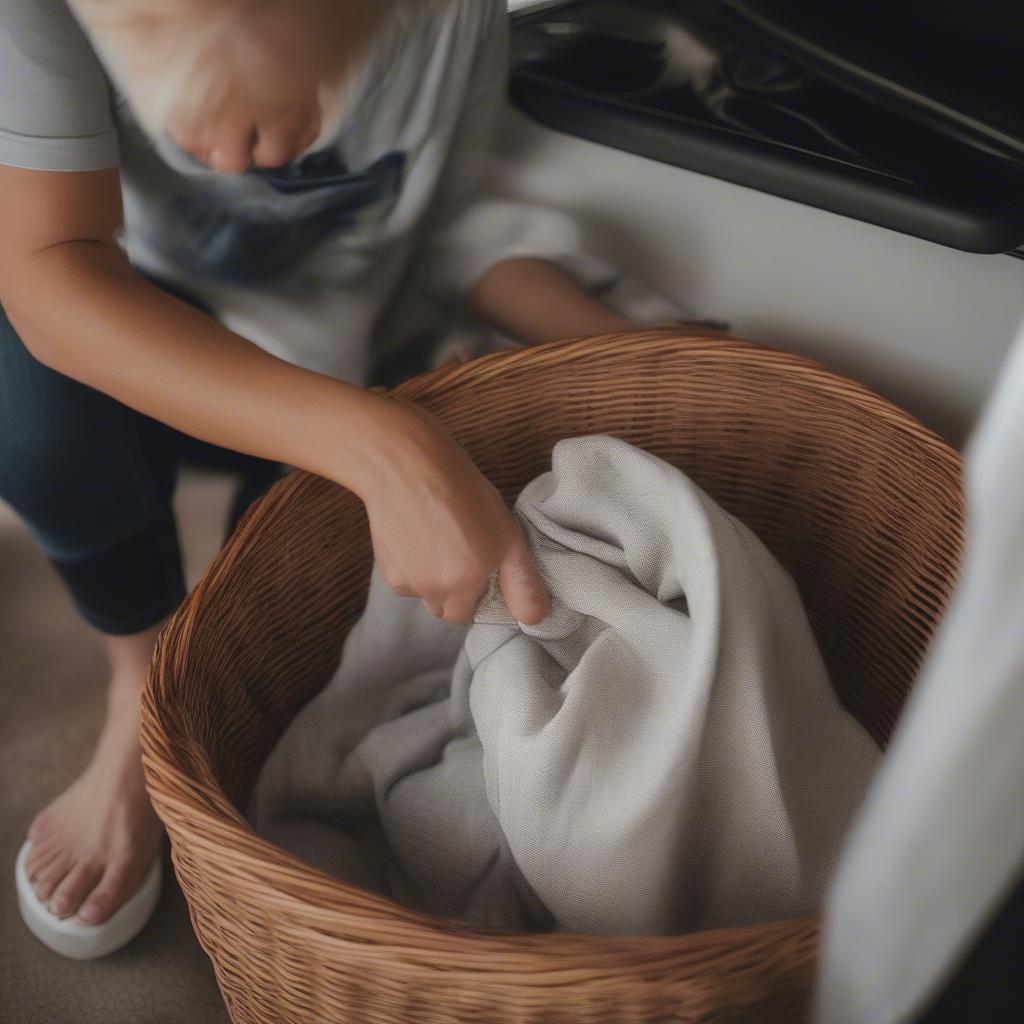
439	527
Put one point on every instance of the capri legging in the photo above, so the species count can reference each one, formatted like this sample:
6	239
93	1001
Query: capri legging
94	480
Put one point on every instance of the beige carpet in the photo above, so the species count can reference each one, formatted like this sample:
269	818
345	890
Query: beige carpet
51	701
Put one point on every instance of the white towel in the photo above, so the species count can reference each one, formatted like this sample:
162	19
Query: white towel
663	753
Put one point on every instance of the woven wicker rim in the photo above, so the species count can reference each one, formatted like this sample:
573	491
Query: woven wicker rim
372	933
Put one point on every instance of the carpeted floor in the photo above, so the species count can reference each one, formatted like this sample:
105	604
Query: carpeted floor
51	700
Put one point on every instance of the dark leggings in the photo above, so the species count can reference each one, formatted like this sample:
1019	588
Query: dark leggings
93	480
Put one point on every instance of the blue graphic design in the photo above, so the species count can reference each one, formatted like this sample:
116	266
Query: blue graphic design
255	240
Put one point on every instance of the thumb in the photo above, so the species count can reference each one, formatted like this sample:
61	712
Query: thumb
522	585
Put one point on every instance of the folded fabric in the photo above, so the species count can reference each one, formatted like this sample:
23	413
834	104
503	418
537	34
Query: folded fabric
663	753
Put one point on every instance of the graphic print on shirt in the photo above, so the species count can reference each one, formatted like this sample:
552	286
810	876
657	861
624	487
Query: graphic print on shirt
266	235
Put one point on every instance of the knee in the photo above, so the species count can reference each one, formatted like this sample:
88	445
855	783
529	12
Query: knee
77	485
37	427
41	465
74	464
33	427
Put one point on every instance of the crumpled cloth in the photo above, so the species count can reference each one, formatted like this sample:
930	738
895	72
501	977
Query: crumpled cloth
663	753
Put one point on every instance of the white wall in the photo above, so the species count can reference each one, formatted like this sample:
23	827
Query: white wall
925	325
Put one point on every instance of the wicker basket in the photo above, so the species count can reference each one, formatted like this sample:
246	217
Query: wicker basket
861	503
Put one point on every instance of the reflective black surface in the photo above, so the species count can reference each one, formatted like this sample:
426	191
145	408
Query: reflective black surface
966	56
730	75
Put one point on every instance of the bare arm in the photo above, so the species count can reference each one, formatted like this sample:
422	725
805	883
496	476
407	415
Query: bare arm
439	527
80	308
534	301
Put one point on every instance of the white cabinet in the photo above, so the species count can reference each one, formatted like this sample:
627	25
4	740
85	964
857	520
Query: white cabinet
923	324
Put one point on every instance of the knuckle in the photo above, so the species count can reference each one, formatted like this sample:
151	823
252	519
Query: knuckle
474	573
458	616
452	584
435	598
397	582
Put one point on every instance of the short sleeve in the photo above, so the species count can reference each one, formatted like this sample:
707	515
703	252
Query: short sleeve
55	103
473	226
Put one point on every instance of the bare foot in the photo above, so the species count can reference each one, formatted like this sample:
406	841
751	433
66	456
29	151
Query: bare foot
93	846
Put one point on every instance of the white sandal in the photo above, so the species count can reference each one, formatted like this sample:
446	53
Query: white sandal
71	937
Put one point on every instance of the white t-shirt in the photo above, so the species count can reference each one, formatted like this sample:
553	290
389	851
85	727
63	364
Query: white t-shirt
393	216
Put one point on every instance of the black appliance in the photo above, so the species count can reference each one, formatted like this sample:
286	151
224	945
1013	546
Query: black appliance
904	113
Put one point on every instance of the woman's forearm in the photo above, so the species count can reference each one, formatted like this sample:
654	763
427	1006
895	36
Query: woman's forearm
81	309
534	301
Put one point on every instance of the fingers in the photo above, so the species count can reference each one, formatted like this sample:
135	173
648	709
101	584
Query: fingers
519	580
442	603
460	608
522	585
456	605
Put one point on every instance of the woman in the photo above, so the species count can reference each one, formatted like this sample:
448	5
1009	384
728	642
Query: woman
293	171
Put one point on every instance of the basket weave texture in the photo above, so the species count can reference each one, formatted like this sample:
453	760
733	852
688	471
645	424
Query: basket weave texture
862	505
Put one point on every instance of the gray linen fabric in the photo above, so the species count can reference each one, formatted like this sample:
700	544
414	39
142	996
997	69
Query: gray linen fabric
663	753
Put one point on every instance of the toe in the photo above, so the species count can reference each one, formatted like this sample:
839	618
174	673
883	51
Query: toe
47	843
118	885
48	878
39	828
73	889
41	858
40	854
